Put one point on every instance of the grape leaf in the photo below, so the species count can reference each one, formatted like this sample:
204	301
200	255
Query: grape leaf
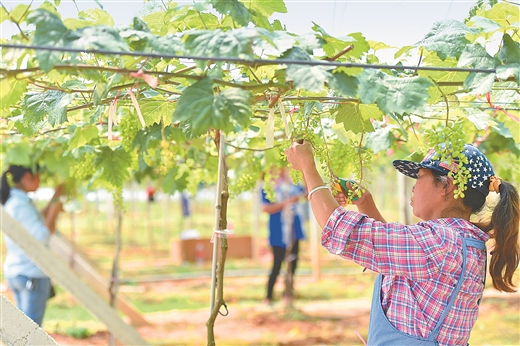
267	7
3	15
173	181
447	38
346	85
82	136
352	119
114	165
393	94
479	83
503	13
51	102
381	139
476	56
509	53
19	154
50	32
480	119
204	110
484	24
156	110
232	43
510	70
310	78
97	16
480	4
370	112
235	9
99	37
11	91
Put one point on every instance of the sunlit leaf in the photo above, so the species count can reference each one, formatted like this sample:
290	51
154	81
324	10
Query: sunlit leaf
510	51
82	136
352	119
447	38
50	32
235	9
11	91
232	43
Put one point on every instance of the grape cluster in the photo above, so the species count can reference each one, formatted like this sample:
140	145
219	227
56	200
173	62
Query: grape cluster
335	159
128	128
167	157
448	143
85	168
247	177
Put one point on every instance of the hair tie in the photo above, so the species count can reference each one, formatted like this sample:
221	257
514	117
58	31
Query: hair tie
494	183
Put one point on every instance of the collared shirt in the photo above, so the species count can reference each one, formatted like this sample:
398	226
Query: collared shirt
421	264
20	207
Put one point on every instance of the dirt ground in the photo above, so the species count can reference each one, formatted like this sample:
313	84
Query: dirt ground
319	323
335	322
310	323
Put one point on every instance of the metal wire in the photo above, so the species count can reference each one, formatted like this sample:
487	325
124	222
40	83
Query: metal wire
246	61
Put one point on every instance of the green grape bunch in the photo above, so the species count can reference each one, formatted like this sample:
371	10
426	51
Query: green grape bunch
448	143
166	154
128	129
85	168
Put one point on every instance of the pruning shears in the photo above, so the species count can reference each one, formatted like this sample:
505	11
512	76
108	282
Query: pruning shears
342	185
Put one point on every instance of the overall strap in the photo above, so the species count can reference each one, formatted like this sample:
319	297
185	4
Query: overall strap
465	243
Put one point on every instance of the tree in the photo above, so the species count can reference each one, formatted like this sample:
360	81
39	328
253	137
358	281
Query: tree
98	106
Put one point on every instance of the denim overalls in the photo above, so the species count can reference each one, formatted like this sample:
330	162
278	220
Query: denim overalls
382	332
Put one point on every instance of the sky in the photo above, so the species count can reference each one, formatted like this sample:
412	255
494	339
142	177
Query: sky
396	23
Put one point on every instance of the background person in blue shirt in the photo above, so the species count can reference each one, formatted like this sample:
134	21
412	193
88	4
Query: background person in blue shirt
31	287
285	225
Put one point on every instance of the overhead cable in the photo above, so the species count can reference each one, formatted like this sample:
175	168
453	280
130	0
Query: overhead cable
251	62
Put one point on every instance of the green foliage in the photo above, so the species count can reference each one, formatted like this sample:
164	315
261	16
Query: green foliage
447	38
56	104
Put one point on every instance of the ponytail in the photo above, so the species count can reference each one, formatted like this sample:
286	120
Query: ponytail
16	173
504	224
5	190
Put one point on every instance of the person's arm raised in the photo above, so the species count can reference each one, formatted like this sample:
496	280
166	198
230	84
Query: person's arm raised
323	204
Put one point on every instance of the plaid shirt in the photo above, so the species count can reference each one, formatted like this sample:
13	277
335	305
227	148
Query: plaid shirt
421	264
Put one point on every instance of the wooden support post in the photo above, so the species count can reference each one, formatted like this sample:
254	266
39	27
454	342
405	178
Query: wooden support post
18	329
85	269
59	271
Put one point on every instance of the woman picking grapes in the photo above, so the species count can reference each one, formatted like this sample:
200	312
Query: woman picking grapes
30	285
431	274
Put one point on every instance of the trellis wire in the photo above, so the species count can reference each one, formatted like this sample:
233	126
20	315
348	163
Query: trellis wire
246	61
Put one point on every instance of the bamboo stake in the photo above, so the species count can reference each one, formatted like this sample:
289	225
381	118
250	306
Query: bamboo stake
219	236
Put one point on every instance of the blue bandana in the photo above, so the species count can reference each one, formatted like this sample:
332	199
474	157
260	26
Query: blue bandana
478	166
